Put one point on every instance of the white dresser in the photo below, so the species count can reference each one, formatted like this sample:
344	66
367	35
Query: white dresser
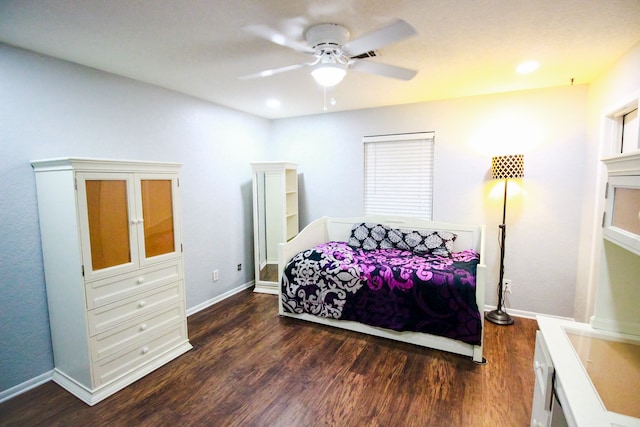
112	249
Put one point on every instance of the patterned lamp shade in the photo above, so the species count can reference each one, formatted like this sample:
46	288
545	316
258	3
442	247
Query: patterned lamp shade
509	166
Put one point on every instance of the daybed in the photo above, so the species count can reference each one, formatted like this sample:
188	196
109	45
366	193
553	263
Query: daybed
370	274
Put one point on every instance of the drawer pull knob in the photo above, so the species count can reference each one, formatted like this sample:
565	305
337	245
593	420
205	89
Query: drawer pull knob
142	303
537	366
143	327
145	350
140	280
134	221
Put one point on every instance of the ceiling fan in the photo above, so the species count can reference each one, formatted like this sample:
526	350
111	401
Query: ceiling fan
334	53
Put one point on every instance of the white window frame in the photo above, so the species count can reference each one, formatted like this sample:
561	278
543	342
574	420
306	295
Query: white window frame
400	184
622	127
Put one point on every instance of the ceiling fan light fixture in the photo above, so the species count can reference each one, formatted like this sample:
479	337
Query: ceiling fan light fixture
328	74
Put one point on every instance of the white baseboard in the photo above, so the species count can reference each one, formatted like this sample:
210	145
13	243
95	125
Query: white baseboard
25	386
525	314
219	298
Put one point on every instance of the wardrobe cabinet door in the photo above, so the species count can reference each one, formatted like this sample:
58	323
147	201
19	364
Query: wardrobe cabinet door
159	233
105	208
622	218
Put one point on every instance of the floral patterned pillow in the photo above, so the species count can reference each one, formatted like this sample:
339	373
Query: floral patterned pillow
369	236
423	242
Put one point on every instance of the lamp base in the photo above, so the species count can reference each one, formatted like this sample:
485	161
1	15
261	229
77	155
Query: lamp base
498	317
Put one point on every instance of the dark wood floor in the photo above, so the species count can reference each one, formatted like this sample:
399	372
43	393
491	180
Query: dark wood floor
251	368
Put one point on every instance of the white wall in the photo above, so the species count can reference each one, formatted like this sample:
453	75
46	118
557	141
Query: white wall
609	91
543	222
51	108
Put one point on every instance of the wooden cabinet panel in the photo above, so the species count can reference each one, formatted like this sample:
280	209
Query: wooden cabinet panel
110	368
103	318
626	209
136	329
105	291
108	216
157	213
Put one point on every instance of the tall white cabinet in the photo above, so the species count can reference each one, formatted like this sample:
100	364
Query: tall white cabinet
275	218
618	293
112	248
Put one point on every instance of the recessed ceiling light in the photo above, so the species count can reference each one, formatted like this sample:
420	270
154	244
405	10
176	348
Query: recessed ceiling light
527	67
273	103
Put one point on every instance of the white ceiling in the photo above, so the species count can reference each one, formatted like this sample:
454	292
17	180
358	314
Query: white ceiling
199	47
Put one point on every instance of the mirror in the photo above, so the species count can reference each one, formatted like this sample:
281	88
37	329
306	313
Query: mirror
269	218
275	217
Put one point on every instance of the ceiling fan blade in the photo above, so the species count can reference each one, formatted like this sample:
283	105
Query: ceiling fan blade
278	38
267	73
381	37
383	70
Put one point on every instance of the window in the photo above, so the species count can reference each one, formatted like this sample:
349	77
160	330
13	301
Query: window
629	141
622	127
398	174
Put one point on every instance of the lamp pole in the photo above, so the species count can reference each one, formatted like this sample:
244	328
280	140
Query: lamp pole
499	316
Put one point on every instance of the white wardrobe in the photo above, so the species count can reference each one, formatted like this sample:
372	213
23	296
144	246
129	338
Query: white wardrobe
275	218
112	250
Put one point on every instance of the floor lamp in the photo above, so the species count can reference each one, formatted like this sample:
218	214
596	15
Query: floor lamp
504	167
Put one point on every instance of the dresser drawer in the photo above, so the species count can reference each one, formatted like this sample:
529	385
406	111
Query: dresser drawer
542	390
132	357
111	341
105	291
103	318
543	368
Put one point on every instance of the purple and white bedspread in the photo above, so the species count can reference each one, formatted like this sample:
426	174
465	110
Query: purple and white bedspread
387	288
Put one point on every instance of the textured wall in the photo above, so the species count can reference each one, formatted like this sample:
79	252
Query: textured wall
51	108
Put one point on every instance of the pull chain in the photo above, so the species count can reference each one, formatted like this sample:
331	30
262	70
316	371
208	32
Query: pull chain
324	108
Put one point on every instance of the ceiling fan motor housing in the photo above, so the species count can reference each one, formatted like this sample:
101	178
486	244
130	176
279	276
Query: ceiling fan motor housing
327	35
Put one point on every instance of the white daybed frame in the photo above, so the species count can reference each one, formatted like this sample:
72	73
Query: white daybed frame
327	229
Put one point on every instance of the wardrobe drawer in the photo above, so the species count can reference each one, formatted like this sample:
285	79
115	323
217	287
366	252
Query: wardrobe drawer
111	341
135	356
105	291
103	318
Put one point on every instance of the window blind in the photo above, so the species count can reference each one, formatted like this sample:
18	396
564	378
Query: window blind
398	174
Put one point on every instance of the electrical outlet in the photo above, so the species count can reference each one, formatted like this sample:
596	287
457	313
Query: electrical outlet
506	286
239	267
216	276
